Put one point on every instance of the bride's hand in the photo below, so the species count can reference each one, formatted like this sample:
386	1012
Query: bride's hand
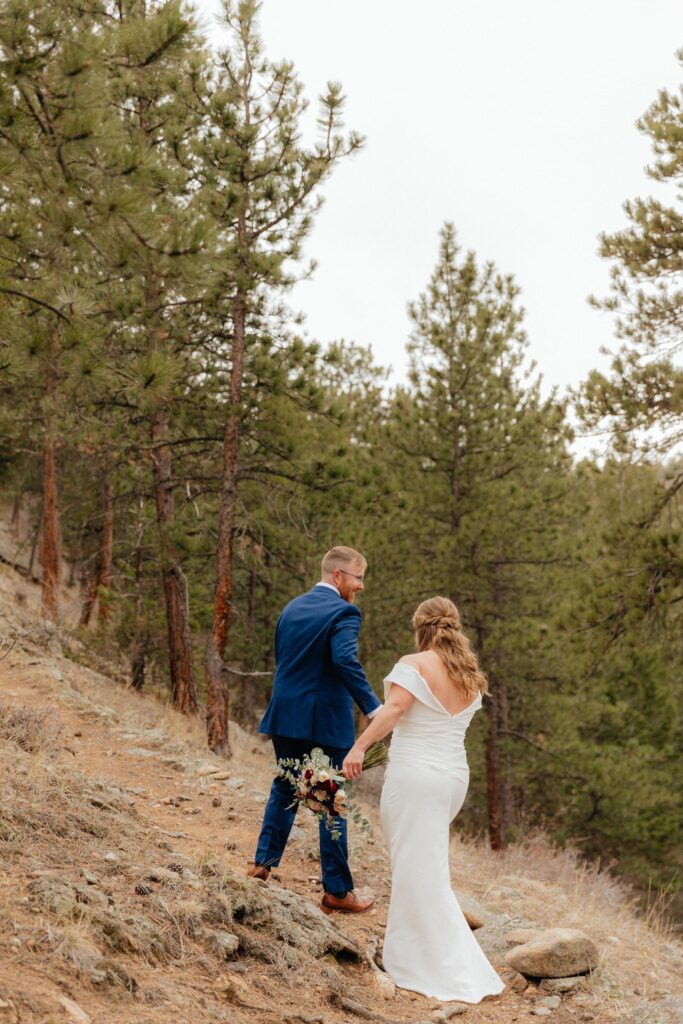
353	762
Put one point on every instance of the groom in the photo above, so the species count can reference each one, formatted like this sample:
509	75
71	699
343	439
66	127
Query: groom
317	679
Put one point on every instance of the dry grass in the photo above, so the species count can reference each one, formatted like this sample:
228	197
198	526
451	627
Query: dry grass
30	730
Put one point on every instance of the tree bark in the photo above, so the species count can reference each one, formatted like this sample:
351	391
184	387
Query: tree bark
50	555
183	688
107	548
218	698
138	658
493	776
101	576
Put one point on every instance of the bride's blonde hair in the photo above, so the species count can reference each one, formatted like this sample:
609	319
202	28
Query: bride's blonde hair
437	628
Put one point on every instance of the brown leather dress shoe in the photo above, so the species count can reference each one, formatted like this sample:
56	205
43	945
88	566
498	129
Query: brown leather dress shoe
350	904
259	871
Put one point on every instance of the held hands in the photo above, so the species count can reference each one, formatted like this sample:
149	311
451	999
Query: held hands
353	762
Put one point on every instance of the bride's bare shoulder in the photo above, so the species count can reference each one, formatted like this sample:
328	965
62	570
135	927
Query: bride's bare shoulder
410	659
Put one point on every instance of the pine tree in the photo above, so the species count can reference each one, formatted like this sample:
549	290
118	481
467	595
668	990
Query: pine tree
485	461
55	122
641	402
262	184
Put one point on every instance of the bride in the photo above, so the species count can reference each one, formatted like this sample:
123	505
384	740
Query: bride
430	699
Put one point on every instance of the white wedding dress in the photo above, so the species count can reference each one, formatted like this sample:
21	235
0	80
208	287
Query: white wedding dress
428	946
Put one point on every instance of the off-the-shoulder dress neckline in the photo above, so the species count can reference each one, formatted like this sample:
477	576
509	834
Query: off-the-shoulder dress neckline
445	710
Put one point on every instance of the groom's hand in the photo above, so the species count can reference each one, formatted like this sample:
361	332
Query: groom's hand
353	763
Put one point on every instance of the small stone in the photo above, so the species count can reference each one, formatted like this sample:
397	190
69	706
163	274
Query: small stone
207	769
15	941
541	1011
216	802
141	752
447	1012
89	877
220	776
515	981
111	857
76	1014
225	943
235	783
383	984
552	1002
560	984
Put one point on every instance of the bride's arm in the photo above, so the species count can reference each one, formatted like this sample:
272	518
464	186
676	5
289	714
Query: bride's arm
396	705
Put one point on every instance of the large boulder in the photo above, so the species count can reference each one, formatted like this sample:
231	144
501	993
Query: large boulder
555	953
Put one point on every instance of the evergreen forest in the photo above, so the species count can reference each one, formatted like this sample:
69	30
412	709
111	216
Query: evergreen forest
187	452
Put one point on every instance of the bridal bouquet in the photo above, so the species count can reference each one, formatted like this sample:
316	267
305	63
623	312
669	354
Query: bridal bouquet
322	788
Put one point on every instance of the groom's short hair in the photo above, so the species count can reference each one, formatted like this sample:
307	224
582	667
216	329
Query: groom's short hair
337	558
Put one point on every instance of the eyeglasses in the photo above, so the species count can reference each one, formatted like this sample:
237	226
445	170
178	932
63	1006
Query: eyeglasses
359	578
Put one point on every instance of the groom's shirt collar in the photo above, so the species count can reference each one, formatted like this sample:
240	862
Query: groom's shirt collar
330	585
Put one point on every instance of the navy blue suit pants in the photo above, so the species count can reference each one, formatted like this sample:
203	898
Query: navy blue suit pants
279	818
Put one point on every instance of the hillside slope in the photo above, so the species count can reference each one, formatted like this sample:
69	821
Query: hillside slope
123	897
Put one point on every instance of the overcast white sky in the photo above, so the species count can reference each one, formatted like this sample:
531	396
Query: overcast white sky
512	118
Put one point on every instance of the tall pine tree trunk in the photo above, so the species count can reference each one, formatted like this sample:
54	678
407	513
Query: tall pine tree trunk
101	577
107	549
493	776
218	699
183	688
492	758
50	554
176	594
138	656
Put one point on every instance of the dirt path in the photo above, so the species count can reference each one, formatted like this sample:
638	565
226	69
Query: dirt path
156	757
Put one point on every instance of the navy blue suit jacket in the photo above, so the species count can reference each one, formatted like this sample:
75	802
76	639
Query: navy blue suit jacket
317	672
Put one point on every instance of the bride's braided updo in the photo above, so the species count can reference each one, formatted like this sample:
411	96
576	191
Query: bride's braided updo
437	627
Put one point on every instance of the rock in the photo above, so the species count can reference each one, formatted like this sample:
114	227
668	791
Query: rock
110	856
448	1012
473	920
668	1010
556	953
541	1011
224	943
89	877
560	984
552	1002
207	769
515	981
141	752
235	783
76	1014
216	802
283	919
56	894
518	936
383	984
220	776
